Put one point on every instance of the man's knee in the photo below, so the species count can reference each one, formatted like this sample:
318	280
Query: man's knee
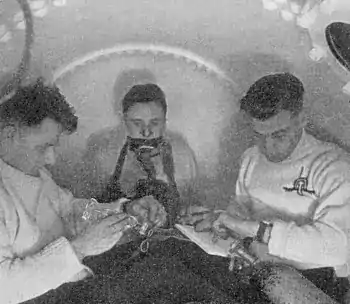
283	283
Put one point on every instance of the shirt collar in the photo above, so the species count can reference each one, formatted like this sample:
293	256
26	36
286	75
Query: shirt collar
12	173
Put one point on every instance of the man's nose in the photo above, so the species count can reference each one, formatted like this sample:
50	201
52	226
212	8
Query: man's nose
146	132
270	143
50	156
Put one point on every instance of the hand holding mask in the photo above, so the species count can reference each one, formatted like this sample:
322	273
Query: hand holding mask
147	210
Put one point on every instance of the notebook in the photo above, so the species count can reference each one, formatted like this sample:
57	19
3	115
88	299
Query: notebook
204	241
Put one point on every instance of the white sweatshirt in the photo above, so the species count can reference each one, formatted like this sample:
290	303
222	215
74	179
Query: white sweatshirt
37	219
311	229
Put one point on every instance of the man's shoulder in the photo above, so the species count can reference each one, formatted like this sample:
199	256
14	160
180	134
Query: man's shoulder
324	150
250	153
3	196
178	143
184	157
328	160
106	138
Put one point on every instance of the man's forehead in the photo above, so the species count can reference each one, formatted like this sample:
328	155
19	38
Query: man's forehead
48	131
276	123
145	110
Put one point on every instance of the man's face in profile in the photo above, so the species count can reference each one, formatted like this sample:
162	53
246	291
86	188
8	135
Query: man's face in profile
32	148
145	120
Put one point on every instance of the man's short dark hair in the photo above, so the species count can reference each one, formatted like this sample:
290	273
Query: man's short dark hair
272	94
32	104
144	93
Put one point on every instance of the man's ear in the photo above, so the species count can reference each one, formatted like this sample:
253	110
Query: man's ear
120	116
302	119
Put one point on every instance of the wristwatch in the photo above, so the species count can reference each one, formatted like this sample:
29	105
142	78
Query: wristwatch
264	232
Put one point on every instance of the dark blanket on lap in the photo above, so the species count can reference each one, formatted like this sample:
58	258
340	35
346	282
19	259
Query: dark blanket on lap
173	272
156	278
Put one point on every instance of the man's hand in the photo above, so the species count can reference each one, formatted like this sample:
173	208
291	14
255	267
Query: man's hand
147	209
187	211
200	217
261	251
192	214
204	223
240	207
101	236
237	225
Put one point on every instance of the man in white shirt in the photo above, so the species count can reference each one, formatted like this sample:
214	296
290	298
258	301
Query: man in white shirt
43	236
293	191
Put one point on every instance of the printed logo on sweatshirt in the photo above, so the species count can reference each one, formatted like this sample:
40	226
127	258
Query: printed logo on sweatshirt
300	185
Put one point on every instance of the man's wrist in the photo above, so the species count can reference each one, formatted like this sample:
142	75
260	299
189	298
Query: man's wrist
77	249
248	228
254	227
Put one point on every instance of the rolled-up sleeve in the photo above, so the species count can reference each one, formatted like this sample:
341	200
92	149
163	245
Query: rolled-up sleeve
22	279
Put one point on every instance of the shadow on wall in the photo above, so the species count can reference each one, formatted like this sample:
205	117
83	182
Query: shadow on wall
126	80
247	67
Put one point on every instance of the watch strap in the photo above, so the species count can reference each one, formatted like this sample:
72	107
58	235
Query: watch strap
264	232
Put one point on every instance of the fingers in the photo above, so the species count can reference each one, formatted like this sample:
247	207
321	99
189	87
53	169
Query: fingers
149	209
161	217
237	209
114	219
205	224
153	207
193	219
193	209
122	225
219	226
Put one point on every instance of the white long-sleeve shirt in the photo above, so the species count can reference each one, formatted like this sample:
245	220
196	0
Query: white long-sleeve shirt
37	220
312	228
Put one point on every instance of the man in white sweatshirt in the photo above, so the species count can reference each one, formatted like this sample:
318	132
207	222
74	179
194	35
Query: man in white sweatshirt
43	237
293	191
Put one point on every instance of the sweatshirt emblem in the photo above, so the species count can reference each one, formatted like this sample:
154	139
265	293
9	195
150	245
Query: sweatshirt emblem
300	185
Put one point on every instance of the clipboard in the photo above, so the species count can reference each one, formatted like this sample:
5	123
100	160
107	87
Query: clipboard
204	241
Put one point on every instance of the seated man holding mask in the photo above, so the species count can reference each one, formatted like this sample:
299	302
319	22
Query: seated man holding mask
151	160
293	191
43	237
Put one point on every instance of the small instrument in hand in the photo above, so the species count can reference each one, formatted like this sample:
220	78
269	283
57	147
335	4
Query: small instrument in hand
90	208
161	234
156	235
239	256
